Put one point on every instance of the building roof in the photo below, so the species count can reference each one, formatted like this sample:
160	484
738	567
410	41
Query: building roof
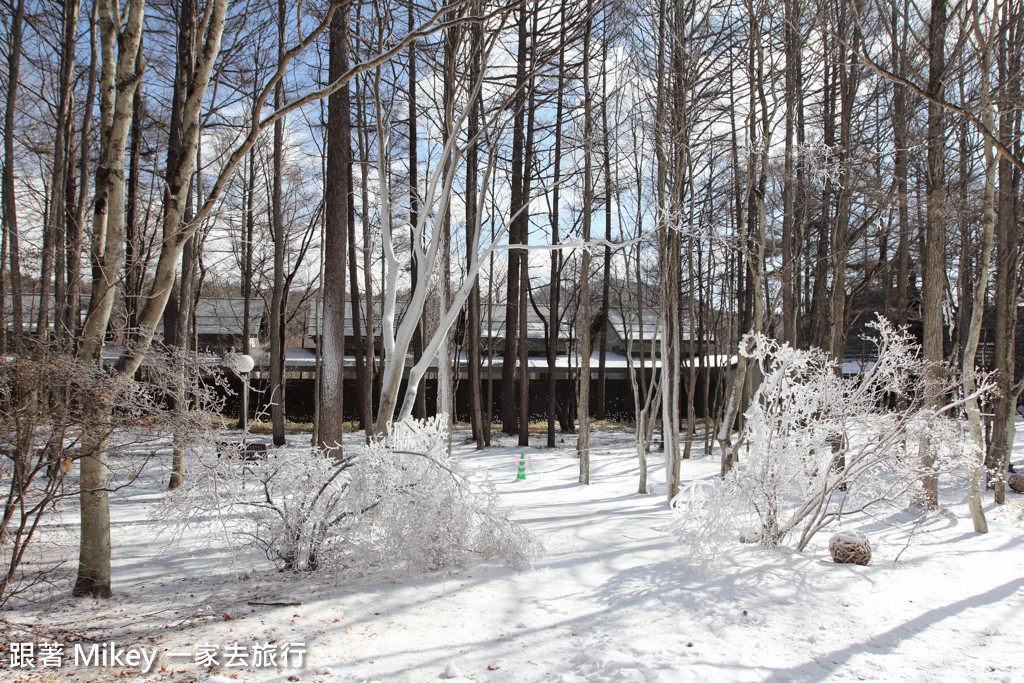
215	316
315	315
492	322
223	316
643	324
492	319
30	310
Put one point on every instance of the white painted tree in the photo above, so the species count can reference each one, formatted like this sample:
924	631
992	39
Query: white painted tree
428	236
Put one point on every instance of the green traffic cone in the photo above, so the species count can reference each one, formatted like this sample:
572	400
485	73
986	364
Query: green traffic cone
522	466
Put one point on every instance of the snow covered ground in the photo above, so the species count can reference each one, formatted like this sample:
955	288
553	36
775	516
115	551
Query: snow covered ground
615	597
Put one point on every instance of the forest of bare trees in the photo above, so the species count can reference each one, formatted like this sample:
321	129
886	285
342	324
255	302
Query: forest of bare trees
443	180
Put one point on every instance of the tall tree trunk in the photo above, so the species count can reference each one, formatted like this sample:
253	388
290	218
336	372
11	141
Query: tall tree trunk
184	314
247	246
420	409
703	299
900	168
964	274
363	405
751	240
53	231
934	275
692	277
848	79
821	315
174	228
481	427
524	258
606	275
981	286
509	406
277	298
336	222
120	76
584	315
63	168
10	209
670	241
76	226
247	251
363	398
1007	254
790	297
182	311
368	387
489	398
134	272
554	286
800	210
445	386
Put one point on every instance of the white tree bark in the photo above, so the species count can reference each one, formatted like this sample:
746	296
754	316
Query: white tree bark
119	77
438	194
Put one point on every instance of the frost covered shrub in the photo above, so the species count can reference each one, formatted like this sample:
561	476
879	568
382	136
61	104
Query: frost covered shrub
395	504
300	498
819	446
420	512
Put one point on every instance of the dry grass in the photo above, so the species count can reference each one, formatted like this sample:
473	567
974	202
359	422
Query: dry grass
260	427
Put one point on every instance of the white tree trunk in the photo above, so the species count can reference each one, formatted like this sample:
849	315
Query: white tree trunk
119	50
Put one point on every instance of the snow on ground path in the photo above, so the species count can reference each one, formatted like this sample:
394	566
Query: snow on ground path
614	598
641	610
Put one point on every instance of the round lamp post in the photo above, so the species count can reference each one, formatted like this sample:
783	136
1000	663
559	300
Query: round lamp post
242	365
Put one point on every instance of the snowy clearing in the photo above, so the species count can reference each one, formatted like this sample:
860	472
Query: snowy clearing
615	597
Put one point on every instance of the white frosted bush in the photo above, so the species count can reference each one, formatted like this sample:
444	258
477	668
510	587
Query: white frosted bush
817	446
299	501
421	513
396	503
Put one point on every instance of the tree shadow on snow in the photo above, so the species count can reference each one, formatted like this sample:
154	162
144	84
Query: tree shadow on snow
825	665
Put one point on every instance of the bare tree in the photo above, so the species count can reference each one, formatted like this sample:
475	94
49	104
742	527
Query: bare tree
934	271
336	225
606	273
54	234
10	208
1007	249
512	339
984	32
120	75
481	426
554	285
277	302
583	318
420	409
178	322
